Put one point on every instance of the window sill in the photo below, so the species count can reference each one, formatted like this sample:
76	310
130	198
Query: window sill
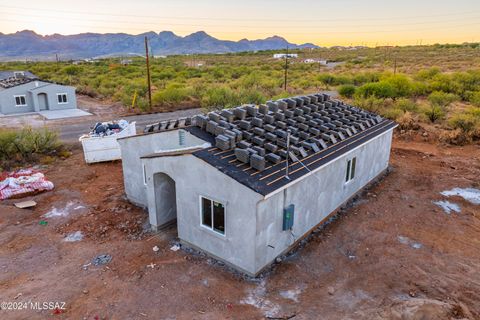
213	232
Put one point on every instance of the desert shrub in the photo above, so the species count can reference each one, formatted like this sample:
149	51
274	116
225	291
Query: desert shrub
441	99
467	121
18	146
391	113
377	90
474	98
251	96
173	93
427	74
365	77
406	105
219	97
333	80
406	121
456	137
401	85
347	90
72	70
372	103
434	112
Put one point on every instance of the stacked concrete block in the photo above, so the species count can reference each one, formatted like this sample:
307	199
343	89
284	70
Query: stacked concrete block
260	151
228	115
242	155
222	142
257	162
240	113
263	109
273	158
251	110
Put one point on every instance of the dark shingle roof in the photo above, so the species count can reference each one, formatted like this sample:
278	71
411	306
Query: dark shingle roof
9	79
251	142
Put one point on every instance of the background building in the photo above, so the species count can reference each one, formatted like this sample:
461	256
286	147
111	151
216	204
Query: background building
22	91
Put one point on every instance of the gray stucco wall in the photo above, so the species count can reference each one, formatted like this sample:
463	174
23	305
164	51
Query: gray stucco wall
195	178
31	91
315	197
133	148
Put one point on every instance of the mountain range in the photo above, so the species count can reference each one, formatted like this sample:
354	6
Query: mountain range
29	45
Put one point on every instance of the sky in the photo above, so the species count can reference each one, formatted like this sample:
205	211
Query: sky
323	22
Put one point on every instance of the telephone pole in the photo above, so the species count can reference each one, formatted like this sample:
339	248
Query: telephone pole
286	71
148	75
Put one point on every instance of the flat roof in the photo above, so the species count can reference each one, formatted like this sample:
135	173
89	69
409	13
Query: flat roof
250	142
273	177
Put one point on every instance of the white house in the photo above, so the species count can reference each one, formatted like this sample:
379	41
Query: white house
284	55
22	91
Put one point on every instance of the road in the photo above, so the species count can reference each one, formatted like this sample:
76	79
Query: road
71	132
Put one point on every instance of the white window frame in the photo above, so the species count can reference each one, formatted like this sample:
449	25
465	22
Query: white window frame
20	96
66	98
211	229
351	172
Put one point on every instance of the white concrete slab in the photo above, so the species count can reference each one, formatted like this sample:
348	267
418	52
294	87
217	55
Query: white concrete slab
61	114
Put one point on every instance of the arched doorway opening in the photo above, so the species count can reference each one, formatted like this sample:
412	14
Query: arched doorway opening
165	199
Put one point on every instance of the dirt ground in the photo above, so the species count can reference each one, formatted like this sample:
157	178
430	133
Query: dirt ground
392	254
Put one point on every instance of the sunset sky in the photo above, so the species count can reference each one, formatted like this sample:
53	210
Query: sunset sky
323	22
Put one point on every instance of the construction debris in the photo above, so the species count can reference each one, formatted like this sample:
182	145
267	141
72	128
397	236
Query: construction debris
22	183
101	259
101	129
25	204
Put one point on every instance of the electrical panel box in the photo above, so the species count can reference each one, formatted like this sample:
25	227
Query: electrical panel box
288	214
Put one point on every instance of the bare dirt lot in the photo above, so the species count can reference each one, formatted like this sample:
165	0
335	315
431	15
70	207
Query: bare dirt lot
392	254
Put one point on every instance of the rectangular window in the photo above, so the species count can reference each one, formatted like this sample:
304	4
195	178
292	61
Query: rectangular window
213	215
20	101
351	165
62	98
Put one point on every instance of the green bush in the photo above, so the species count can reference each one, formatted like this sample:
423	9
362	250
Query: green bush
377	90
475	98
347	90
17	146
434	112
406	105
467	121
219	97
441	99
173	93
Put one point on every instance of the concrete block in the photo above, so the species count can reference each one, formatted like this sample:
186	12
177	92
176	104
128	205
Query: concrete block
273	158
257	162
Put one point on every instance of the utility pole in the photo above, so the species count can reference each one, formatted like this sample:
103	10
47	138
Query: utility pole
148	75
286	71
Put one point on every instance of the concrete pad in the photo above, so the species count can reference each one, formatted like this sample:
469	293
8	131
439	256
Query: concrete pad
61	114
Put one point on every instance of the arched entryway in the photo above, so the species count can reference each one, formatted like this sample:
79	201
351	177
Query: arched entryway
42	101
165	199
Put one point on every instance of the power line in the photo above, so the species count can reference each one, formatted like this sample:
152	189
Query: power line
235	25
109	14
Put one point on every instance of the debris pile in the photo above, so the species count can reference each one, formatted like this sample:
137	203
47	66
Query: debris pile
22	183
101	129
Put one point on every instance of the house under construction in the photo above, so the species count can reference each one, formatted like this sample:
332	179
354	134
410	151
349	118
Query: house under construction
244	184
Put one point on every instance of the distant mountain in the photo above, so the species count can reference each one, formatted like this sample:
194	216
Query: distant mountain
28	44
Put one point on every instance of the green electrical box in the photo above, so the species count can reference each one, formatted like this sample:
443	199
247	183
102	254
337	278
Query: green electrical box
288	214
